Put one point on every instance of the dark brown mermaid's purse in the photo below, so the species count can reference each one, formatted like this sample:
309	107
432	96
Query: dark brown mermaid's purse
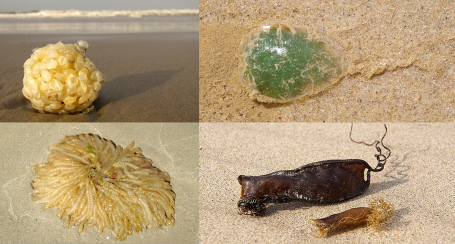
326	181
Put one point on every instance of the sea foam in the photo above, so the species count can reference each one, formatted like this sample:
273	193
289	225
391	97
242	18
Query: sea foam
100	13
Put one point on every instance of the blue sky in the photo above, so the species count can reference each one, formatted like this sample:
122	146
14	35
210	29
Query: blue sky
28	5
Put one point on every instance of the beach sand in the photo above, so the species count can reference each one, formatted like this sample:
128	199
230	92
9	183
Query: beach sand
417	180
399	58
173	147
151	77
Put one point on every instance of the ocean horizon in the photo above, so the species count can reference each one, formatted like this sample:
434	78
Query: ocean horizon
100	22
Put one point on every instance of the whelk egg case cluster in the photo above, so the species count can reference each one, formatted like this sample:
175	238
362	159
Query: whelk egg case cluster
58	78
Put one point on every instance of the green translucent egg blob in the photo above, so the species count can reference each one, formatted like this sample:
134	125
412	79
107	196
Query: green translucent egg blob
280	63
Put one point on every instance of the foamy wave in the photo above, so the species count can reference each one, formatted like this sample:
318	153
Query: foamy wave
102	13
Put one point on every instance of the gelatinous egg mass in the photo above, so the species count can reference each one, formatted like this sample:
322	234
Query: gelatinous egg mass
58	78
279	63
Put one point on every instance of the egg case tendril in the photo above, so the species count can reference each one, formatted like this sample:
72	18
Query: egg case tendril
327	181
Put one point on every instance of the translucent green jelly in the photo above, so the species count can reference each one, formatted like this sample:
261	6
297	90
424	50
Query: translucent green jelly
280	64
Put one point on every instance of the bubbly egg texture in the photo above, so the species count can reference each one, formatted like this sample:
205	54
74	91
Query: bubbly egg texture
58	78
280	63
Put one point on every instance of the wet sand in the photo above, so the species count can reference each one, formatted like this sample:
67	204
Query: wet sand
173	147
417	180
151	77
399	57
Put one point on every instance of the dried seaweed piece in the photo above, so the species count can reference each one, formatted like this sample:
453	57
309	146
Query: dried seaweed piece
327	181
375	216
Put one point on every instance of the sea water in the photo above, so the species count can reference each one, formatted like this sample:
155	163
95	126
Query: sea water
105	21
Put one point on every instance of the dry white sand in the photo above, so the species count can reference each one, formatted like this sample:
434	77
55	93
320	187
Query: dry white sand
417	180
400	58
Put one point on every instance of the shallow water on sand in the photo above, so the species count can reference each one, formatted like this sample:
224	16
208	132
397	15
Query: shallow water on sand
99	25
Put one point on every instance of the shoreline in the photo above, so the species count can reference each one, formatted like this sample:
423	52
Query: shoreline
109	24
